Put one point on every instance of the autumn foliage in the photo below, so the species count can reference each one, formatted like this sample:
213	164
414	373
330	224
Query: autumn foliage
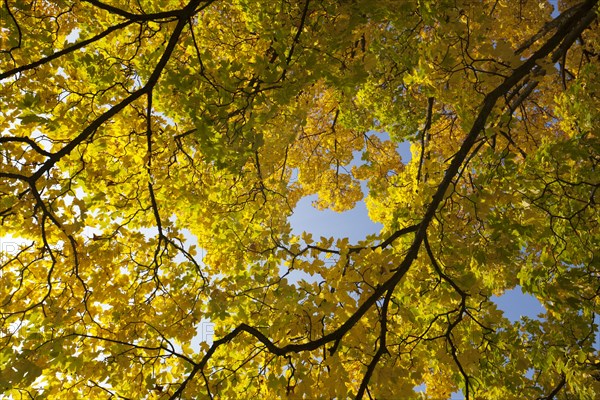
153	151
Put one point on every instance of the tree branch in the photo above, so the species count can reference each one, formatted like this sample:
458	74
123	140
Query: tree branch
478	126
425	134
91	128
64	51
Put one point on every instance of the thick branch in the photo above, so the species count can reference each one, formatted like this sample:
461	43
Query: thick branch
134	17
451	173
64	51
425	135
556	389
28	141
382	245
91	128
296	38
380	351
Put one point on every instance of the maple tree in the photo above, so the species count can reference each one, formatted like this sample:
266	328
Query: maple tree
127	128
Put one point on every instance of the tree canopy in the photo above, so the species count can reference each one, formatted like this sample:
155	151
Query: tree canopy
129	130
